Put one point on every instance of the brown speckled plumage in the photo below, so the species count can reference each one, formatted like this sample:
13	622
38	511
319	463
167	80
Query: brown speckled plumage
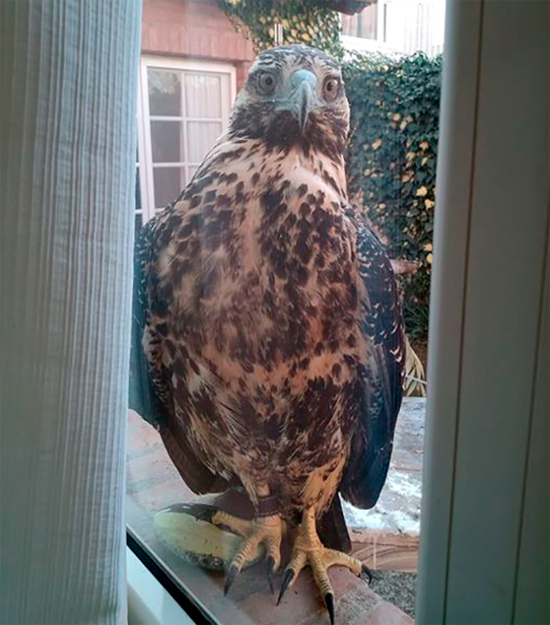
267	315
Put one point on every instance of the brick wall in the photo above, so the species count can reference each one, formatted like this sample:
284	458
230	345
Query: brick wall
194	28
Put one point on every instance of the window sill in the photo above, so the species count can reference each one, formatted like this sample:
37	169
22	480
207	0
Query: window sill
149	603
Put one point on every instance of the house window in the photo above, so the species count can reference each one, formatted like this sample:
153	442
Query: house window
183	108
363	24
396	27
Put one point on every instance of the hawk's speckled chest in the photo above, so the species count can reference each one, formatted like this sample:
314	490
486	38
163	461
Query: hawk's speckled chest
261	263
256	268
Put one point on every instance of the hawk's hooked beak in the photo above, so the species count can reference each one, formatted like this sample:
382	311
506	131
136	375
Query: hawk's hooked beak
303	95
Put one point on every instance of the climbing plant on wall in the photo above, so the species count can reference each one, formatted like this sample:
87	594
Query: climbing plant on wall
392	162
312	22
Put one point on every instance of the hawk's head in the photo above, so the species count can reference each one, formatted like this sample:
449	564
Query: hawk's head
294	96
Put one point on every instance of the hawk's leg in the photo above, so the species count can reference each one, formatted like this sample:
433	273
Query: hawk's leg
309	551
266	531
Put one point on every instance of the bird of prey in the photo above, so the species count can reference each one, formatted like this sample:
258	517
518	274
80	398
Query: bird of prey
268	325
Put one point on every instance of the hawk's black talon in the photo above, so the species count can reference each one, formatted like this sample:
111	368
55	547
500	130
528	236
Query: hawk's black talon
287	578
329	602
365	571
270	567
202	512
230	577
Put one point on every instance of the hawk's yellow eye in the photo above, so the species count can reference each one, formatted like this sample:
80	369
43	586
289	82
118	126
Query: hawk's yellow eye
330	88
266	83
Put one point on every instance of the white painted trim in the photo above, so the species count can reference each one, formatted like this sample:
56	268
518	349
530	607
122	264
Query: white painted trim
186	64
149	603
146	157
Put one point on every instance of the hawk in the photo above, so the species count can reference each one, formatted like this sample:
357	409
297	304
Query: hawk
267	327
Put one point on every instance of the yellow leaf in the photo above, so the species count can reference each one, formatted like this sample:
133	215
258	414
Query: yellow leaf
410	155
424	160
424	145
429	203
376	144
429	259
403	124
422	192
428	247
396	117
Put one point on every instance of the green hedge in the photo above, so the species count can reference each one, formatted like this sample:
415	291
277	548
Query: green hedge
392	162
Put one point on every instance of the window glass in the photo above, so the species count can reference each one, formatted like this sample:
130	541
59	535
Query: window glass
167	140
138	193
248	357
165	92
201	137
203	95
168	181
363	24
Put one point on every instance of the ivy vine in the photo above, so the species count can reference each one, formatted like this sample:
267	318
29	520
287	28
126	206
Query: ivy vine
391	163
271	22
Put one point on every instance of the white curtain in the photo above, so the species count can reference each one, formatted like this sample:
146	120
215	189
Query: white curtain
68	72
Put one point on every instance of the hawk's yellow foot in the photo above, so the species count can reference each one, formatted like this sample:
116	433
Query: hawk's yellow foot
308	550
266	531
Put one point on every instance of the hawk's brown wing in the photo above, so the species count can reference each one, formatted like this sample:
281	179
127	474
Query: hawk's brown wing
380	384
150	391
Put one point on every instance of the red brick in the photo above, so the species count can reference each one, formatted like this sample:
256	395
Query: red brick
188	28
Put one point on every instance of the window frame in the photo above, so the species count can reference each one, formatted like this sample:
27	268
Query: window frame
465	296
151	583
145	151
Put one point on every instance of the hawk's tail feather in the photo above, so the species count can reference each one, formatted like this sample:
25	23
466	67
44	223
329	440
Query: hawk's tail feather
332	529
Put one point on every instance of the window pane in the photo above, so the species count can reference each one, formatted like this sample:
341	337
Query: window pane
138	192
203	95
201	136
168	182
362	24
164	92
167	142
394	103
